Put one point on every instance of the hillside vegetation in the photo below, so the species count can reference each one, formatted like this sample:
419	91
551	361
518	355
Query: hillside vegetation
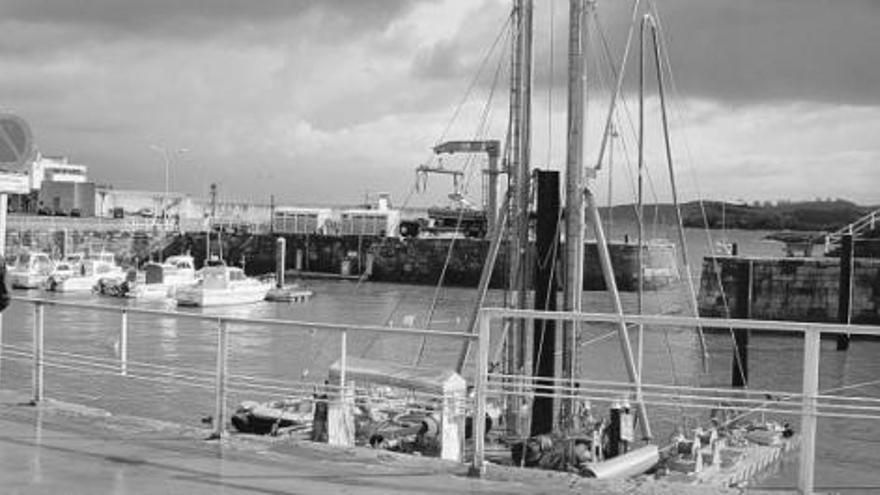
800	215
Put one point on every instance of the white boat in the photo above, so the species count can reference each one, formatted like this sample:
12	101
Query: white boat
222	285
68	266
94	268
30	270
156	281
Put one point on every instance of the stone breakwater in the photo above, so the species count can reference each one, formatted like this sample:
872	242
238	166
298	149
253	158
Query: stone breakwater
794	289
412	261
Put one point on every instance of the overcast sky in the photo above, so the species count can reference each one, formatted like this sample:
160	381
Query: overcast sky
322	100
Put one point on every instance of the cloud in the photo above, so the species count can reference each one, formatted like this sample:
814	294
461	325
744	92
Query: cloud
198	18
319	100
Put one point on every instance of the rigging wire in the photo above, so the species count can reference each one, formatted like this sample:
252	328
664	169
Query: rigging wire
689	160
482	128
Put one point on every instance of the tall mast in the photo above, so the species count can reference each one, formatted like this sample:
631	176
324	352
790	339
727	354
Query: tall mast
518	356
574	181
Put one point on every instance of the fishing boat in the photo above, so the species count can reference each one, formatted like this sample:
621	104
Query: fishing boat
84	276
155	281
221	285
30	270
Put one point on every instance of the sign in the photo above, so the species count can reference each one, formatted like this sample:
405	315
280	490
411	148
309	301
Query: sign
16	144
14	183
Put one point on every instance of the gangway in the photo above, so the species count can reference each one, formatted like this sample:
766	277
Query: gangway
860	226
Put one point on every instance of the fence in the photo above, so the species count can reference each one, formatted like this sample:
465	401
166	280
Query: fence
219	380
812	403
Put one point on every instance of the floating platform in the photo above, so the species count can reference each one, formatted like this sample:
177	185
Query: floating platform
289	294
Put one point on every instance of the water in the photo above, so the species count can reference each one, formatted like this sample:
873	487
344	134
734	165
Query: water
847	450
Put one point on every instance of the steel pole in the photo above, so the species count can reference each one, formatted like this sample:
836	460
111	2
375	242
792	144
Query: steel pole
808	411
38	353
123	344
220	385
478	466
611	288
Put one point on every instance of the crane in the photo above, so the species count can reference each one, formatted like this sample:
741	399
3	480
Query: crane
492	149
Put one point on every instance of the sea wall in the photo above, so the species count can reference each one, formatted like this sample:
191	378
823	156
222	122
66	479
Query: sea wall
794	289
414	261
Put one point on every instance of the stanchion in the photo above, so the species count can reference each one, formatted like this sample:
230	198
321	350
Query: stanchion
123	344
478	467
38	353
220	387
812	340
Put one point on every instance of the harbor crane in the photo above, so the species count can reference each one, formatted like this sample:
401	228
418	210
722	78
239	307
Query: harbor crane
492	150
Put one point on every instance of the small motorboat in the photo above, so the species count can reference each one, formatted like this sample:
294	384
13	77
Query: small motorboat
30	270
220	285
86	275
156	281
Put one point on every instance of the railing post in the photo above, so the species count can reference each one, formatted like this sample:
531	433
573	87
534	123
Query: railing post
220	388
38	353
123	344
478	468
808	411
343	361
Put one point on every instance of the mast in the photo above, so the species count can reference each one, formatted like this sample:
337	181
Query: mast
518	359
574	204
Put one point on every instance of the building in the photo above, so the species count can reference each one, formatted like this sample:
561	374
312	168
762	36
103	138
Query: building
67	198
55	169
379	221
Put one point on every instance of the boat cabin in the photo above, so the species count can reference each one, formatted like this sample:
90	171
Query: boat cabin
34	263
220	277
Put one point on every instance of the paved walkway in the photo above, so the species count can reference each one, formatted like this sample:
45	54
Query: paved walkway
59	448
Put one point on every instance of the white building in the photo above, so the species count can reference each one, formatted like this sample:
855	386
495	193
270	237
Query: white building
55	169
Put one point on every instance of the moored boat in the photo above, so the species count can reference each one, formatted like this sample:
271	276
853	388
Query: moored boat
86	275
30	270
156	281
222	285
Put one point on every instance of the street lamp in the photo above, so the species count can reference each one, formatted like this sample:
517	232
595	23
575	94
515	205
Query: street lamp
167	158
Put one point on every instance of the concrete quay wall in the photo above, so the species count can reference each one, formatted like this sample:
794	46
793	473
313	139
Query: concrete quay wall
413	261
793	289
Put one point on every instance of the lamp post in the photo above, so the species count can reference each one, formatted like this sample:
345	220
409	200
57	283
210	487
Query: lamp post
167	157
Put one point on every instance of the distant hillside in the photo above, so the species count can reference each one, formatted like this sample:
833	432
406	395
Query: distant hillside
801	215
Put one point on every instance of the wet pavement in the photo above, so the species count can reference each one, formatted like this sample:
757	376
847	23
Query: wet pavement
60	448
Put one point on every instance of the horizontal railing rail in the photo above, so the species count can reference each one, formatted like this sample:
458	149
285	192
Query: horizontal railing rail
219	379
338	327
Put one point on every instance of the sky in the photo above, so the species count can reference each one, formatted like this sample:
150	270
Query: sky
324	101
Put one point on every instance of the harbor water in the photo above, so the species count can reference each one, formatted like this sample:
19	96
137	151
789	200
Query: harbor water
847	453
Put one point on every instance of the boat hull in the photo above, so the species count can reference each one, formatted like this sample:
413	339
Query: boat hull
201	297
19	280
78	284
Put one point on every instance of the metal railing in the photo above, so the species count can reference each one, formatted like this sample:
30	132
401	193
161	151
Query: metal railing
812	403
867	222
220	377
809	403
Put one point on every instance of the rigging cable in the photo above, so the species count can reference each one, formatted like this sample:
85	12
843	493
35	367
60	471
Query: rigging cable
689	156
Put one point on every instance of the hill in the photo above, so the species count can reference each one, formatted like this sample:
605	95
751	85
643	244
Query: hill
800	215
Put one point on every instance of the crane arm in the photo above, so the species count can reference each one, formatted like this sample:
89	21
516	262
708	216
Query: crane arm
490	147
